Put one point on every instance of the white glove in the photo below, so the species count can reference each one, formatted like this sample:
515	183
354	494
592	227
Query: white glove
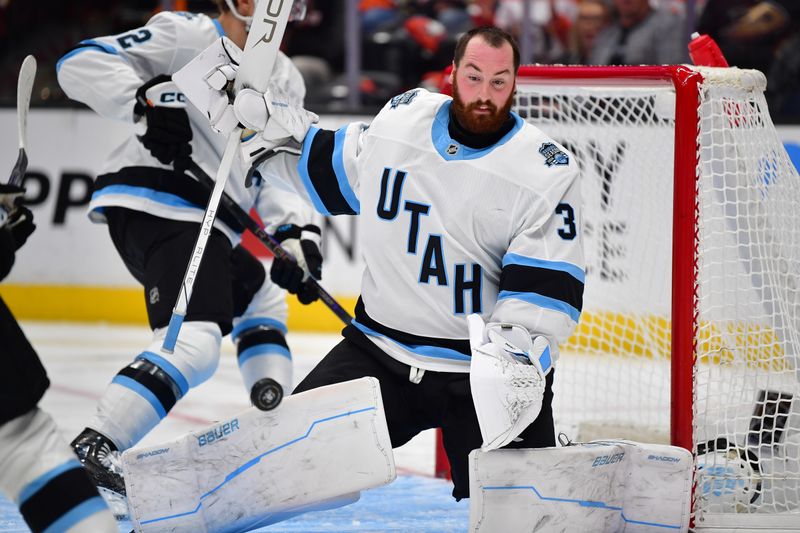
272	115
506	378
204	81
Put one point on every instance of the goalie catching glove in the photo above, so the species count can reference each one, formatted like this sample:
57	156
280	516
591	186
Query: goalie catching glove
507	378
292	274
270	119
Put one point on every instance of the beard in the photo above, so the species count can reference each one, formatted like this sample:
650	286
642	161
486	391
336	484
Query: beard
480	123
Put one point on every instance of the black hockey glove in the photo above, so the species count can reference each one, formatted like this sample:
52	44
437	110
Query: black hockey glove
20	224
303	244
168	130
14	231
15	218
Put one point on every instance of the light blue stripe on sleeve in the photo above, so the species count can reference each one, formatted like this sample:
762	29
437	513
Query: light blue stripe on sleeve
341	174
302	169
266	350
542	301
89	44
171	370
36	485
250	323
573	270
142	391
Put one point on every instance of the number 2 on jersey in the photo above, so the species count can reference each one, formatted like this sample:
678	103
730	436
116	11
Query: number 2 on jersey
137	37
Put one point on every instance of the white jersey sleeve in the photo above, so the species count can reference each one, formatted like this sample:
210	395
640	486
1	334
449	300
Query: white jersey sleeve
543	273
326	172
105	72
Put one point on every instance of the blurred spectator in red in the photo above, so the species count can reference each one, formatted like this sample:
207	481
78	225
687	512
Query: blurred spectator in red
641	35
592	17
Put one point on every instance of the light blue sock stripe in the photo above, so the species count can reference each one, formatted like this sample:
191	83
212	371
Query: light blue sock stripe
76	514
250	323
170	369
141	390
265	350
36	485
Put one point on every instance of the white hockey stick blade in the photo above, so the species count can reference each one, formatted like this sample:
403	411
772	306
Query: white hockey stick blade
260	52
27	73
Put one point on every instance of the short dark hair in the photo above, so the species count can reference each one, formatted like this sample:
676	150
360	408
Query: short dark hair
494	37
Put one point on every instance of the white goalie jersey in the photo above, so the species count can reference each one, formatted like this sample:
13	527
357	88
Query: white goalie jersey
104	73
447	230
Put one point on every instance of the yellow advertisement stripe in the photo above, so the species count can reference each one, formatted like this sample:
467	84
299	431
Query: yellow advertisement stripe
598	332
125	305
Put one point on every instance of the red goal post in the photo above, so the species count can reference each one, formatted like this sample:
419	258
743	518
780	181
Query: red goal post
690	331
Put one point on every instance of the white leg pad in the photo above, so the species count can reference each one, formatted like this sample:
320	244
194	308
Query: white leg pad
601	486
317	449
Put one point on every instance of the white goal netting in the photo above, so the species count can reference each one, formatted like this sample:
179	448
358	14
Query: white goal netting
614	377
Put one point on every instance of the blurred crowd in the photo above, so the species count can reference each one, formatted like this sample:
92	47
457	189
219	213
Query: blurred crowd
405	43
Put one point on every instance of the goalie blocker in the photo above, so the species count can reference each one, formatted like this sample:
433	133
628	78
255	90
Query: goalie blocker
600	486
258	468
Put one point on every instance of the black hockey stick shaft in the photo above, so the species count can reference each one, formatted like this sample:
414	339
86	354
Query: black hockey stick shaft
272	244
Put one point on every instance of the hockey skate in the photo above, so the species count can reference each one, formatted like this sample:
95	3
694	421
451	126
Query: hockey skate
100	458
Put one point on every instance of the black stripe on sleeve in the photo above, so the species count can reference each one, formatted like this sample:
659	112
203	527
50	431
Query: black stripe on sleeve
323	177
56	498
554	284
153	380
258	337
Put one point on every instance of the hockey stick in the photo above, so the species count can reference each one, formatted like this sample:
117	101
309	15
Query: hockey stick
268	241
260	51
27	73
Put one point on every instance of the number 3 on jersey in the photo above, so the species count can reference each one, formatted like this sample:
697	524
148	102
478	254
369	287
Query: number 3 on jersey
569	230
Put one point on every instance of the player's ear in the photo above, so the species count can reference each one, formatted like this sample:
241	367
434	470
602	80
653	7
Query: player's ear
452	72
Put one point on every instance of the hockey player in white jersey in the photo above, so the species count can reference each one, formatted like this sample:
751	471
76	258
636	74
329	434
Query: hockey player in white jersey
464	209
153	210
37	468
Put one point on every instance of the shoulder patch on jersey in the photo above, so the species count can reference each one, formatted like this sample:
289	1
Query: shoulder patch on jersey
553	155
404	98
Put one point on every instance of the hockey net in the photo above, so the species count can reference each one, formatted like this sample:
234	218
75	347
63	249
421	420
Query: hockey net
691	316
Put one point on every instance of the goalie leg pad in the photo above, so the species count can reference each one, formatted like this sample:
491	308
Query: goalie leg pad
601	486
258	468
